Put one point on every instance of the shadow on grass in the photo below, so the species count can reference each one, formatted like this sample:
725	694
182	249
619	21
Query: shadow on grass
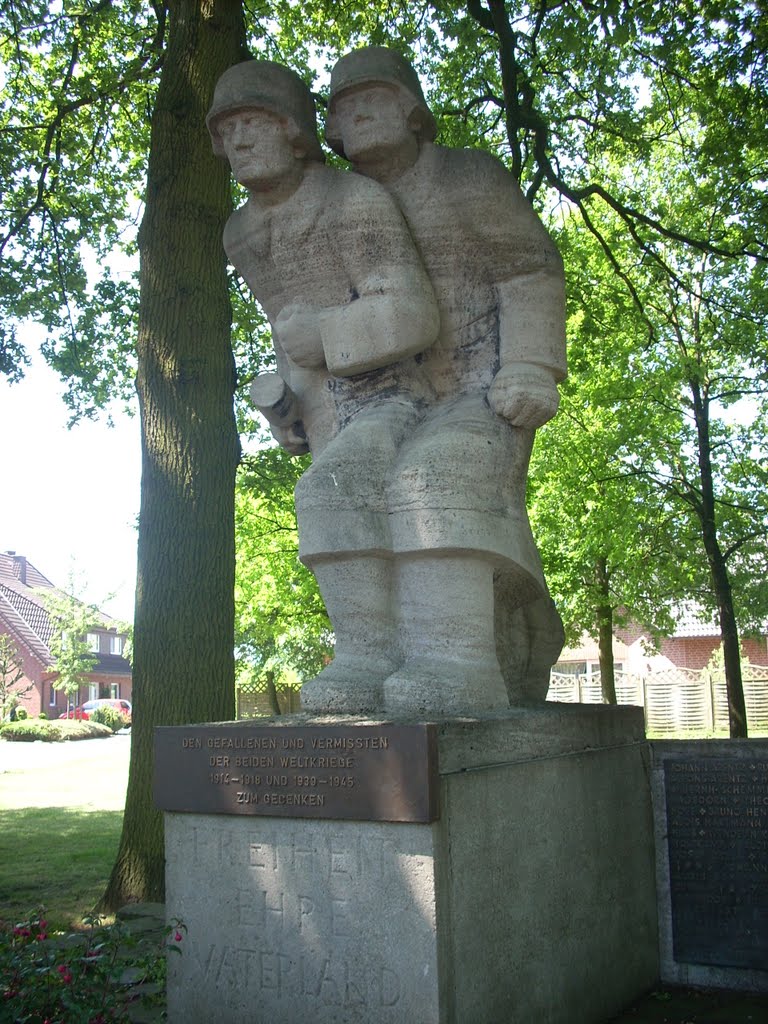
58	858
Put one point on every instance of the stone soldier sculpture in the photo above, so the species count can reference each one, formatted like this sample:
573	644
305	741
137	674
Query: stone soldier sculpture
330	258
413	512
469	582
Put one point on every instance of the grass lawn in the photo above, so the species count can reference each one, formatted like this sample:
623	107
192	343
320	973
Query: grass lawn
58	858
61	811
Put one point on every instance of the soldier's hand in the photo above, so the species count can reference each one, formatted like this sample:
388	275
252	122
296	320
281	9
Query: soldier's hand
524	394
298	330
292	438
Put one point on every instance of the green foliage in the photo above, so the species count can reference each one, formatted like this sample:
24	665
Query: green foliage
70	620
45	981
11	674
655	461
73	143
125	630
109	716
82	729
59	857
52	732
281	622
605	535
21	714
31	730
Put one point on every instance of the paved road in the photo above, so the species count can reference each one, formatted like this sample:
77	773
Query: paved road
91	774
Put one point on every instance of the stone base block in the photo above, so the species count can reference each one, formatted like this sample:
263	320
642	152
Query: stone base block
530	899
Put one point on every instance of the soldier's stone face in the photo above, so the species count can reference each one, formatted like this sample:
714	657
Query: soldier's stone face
371	121
258	147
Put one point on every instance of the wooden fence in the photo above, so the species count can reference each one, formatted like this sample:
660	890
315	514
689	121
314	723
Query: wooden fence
677	702
253	699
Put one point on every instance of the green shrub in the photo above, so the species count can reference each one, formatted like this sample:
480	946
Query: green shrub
34	729
82	730
21	714
43	715
105	714
53	732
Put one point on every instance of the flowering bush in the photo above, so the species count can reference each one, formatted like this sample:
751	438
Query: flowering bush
86	978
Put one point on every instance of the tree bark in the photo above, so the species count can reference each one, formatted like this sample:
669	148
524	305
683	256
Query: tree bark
184	621
718	569
274	703
604	612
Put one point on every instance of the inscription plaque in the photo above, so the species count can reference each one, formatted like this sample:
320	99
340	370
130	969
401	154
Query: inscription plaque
717	832
357	772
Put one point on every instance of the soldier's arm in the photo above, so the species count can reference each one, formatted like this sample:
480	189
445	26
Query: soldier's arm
530	286
392	312
271	393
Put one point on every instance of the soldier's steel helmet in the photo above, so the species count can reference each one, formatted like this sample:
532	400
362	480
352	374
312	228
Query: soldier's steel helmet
264	85
378	65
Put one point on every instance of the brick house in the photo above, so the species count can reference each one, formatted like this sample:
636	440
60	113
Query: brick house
24	618
690	647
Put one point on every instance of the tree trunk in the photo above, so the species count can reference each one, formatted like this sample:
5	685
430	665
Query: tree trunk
604	611
718	570
274	703
183	667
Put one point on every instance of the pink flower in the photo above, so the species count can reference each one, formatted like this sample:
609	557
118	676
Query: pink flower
178	937
66	974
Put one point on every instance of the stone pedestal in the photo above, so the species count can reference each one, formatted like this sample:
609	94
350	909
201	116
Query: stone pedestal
530	898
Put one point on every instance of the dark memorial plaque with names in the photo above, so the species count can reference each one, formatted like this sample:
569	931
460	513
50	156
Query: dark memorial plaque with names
717	835
359	772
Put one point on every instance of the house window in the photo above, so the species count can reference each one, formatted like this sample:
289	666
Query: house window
593	668
115	645
570	668
114	690
93	642
93	691
583	668
52	699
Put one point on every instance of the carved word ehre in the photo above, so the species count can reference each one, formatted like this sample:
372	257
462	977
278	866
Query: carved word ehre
373	773
717	820
291	926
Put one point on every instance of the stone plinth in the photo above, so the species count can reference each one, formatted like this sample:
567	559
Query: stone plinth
530	898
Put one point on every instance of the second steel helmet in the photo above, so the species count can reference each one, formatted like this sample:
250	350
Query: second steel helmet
264	85
378	65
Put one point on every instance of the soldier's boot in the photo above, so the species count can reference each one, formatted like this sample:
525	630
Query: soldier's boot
358	595
446	606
